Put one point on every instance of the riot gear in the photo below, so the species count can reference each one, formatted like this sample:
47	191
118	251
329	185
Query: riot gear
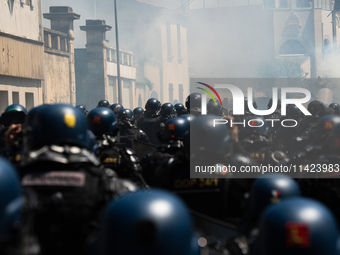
193	104
103	103
116	108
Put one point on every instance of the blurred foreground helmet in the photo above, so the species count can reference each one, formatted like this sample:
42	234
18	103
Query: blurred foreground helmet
57	124
188	117
166	109
335	106
214	108
103	103
92	142
298	226
11	201
270	189
153	105
101	121
207	138
82	109
175	129
138	110
256	125
179	108
126	114
116	108
13	114
149	223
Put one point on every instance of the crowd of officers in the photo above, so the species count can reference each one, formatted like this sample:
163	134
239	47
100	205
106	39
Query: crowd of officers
116	181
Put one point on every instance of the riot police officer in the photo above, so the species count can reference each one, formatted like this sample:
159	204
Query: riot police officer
208	146
151	116
166	113
267	190
71	185
11	135
179	109
335	107
215	108
82	108
139	113
148	222
103	103
102	122
172	139
298	226
193	104
116	108
255	139
128	131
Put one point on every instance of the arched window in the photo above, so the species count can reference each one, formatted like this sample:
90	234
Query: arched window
327	47
154	95
292	47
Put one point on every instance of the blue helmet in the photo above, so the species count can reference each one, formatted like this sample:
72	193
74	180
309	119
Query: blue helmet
207	138
175	129
153	105
138	110
298	226
58	124
294	112
126	114
82	108
116	108
103	103
335	106
13	114
149	223
256	125
269	189
214	108
166	109
11	200
179	108
92	142
324	128
188	117
101	121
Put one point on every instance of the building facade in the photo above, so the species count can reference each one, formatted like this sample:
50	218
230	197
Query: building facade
240	35
21	53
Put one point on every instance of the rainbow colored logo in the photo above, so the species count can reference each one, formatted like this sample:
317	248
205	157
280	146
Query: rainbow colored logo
209	93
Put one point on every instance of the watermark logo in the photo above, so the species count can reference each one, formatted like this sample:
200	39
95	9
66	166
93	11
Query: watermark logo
238	99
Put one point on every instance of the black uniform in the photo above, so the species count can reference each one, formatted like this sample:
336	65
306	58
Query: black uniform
72	188
146	124
128	132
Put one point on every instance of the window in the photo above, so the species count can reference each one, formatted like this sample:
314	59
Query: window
171	92
327	47
179	43
3	100
168	36
154	95
180	93
292	47
15	97
283	4
29	97
302	3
